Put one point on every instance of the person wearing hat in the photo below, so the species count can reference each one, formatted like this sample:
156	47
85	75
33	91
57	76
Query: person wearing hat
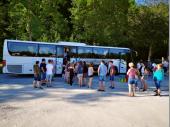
132	73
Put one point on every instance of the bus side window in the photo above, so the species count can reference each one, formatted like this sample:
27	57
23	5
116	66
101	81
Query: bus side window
85	52
60	52
101	53
73	52
114	54
46	50
22	49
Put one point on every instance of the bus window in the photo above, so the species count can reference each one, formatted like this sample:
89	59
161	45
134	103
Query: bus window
60	52
84	52
101	53
22	49
73	52
47	50
114	54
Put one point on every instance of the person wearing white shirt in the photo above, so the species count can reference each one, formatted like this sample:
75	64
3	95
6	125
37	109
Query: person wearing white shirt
49	72
90	75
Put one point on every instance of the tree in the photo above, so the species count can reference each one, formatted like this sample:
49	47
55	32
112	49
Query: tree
100	21
148	28
4	23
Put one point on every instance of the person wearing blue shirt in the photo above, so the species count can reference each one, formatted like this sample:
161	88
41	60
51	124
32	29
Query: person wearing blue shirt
158	77
102	72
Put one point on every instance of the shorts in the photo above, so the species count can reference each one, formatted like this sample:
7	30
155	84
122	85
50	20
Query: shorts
79	75
132	81
37	77
49	77
90	76
43	76
102	78
112	77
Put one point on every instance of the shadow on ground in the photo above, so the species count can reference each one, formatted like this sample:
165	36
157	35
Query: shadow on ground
19	88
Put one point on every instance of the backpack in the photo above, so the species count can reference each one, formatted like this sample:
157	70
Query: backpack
112	70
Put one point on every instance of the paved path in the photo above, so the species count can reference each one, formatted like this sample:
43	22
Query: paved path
71	106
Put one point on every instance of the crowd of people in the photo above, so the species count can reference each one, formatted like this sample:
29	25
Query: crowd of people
43	73
82	74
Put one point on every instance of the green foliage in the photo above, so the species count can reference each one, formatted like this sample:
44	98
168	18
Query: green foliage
148	28
102	22
96	22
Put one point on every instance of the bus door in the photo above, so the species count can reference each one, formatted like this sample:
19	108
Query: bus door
70	54
59	59
123	63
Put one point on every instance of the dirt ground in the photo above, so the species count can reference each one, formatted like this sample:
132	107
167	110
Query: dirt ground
71	106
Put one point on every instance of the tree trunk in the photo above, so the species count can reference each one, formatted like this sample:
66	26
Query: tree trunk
29	16
150	53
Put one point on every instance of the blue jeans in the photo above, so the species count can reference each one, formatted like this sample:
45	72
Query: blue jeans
157	83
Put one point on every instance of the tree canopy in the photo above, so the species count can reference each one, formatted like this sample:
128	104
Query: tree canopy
122	23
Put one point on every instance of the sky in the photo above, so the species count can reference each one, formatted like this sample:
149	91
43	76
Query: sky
150	1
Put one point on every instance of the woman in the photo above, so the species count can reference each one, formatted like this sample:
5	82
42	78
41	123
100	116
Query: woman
90	75
144	77
85	71
80	73
158	76
71	72
132	72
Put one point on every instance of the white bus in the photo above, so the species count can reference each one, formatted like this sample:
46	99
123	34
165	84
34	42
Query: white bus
19	56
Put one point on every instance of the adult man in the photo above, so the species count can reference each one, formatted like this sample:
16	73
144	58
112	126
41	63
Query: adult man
37	78
50	68
112	74
102	72
43	71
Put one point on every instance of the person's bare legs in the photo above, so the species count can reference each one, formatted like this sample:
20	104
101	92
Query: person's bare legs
90	82
133	89
39	84
144	85
112	83
159	91
99	85
85	81
103	86
34	84
81	81
130	89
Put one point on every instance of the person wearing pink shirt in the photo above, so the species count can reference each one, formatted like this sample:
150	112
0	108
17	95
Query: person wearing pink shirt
132	73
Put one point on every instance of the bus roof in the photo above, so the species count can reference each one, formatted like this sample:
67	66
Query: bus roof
71	43
64	43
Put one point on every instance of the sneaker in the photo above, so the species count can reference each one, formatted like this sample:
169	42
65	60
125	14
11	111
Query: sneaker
144	90
110	87
155	90
35	87
41	87
101	90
